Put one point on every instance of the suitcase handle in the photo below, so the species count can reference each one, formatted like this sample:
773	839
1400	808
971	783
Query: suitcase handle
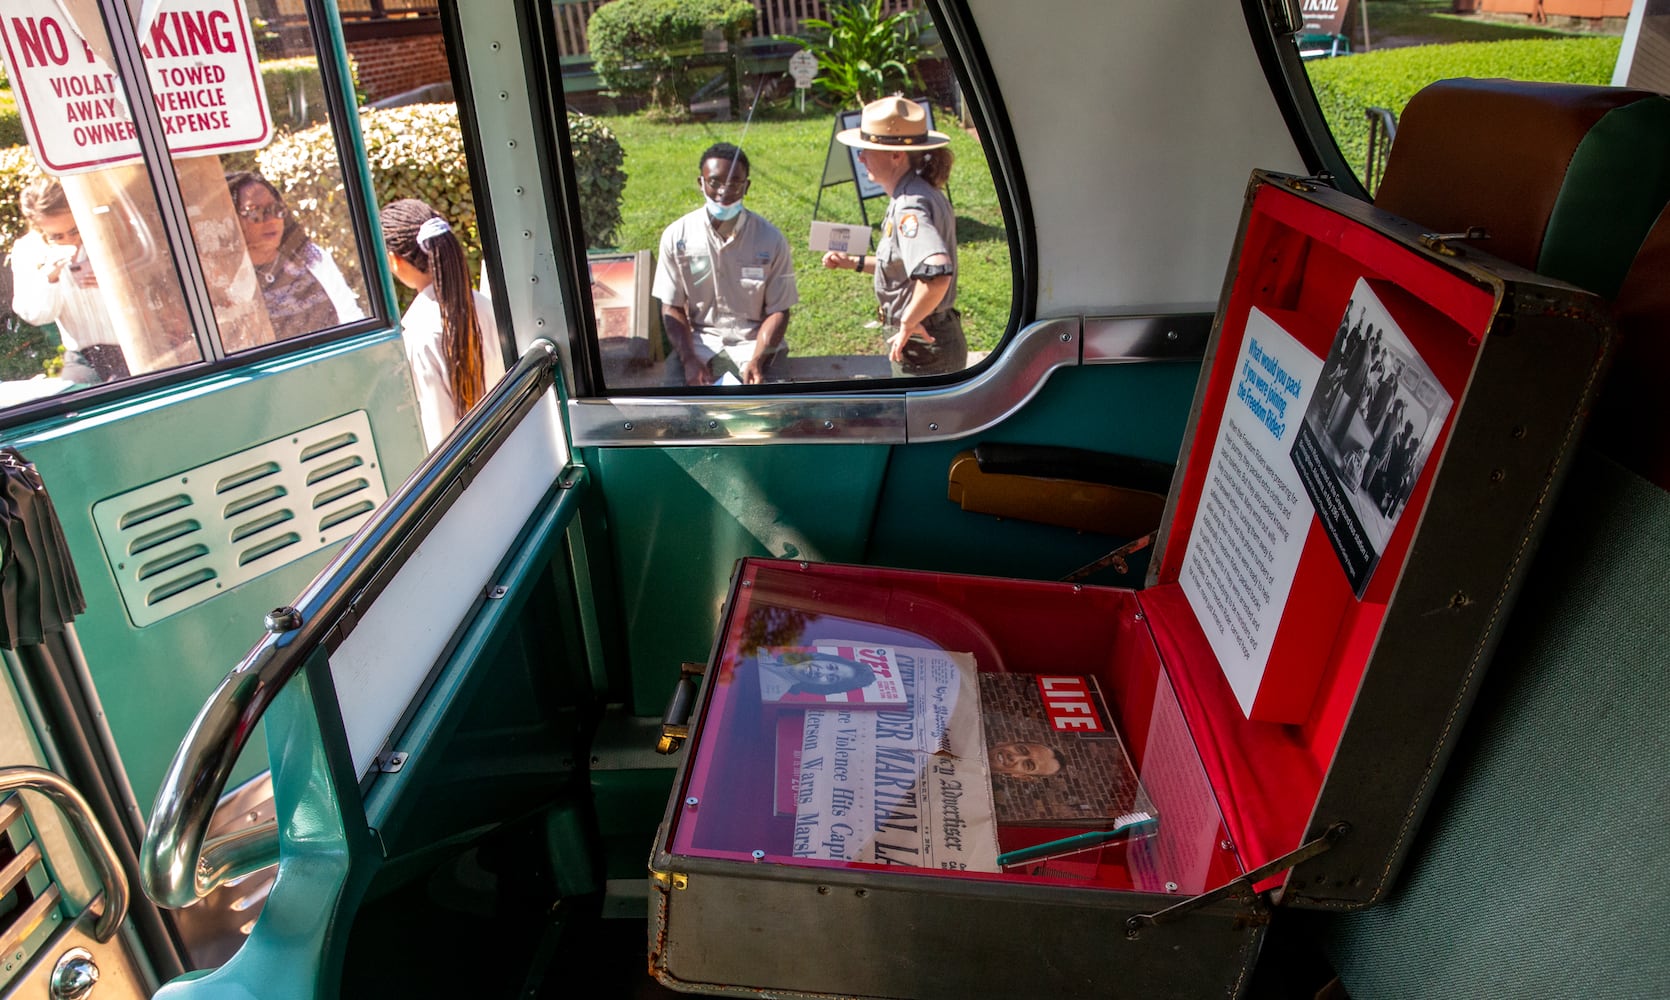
675	722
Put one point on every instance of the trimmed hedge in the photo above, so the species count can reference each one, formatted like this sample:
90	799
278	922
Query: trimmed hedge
11	121
17	169
296	91
647	46
1346	85
416	151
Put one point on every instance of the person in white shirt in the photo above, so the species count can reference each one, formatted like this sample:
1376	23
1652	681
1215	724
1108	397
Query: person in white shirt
53	282
725	278
452	341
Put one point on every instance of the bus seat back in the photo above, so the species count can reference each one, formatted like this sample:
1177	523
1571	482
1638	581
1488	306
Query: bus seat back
1566	179
1537	872
1571	181
1631	420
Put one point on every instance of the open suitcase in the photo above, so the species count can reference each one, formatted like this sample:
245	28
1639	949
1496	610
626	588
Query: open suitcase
1380	426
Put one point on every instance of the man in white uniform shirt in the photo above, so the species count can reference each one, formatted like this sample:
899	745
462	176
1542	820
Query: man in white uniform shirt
725	278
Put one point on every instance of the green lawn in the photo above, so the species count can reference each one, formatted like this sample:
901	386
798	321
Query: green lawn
787	151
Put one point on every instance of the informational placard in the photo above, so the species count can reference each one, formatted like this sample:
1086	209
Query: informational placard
1323	17
1254	511
201	64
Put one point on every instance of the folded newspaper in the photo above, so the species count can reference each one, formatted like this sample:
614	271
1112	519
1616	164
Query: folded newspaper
904	785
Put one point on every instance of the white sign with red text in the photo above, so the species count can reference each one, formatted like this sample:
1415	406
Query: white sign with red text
199	58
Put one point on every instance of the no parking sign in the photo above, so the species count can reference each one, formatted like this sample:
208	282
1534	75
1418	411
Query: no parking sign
201	64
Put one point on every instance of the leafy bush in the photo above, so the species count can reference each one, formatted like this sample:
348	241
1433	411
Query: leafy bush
1389	78
417	151
597	161
642	46
413	151
11	121
17	169
296	91
862	52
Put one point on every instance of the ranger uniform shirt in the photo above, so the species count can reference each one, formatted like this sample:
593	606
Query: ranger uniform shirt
919	224
726	286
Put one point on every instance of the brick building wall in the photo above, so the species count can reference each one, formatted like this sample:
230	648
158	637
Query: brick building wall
389	66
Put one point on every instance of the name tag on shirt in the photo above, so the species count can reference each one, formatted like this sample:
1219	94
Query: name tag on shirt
753	273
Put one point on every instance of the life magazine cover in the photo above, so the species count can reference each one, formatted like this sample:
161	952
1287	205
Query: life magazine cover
900	786
1056	757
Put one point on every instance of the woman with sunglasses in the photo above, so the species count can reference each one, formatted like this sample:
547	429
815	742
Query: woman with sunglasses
53	282
302	287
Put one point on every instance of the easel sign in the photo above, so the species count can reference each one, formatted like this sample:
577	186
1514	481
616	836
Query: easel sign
841	166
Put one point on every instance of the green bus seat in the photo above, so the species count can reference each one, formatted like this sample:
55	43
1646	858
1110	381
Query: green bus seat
1542	868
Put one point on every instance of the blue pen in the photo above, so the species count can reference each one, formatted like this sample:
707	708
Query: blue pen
1123	825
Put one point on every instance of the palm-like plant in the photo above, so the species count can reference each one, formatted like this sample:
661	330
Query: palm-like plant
863	52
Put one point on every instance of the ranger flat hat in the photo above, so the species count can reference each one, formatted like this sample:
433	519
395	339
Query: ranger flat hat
893	123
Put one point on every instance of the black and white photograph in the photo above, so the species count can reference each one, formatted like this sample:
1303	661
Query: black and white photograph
1368	432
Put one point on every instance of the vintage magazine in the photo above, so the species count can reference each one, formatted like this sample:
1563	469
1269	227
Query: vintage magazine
899	786
852	675
1056	758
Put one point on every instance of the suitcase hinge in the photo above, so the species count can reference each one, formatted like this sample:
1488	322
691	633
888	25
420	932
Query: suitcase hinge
1241	886
669	880
1116	559
675	724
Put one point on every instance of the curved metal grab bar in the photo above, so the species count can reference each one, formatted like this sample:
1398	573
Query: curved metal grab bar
174	868
69	801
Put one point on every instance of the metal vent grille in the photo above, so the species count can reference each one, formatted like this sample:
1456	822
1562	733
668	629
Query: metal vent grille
180	541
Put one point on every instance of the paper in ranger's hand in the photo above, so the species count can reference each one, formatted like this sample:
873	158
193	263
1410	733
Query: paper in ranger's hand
840	236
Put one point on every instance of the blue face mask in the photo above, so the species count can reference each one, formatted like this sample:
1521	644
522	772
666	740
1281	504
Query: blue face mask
723	213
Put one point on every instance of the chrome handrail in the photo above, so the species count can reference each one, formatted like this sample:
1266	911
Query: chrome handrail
69	801
174	867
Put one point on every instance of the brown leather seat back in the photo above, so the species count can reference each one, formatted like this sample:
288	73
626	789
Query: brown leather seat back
1570	181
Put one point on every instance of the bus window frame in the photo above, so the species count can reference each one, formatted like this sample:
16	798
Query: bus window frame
1290	86
326	35
983	103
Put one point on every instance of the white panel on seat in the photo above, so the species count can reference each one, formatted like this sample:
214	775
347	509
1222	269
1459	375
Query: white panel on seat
384	662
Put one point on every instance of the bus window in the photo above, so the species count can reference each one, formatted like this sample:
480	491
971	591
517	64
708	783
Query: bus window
690	290
1363	61
97	289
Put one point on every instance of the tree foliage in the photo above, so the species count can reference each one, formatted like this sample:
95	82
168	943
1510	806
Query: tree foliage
647	46
863	52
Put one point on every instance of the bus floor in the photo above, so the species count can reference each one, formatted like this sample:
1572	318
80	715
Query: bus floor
465	931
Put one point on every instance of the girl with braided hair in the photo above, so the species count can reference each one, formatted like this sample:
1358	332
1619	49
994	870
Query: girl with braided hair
451	338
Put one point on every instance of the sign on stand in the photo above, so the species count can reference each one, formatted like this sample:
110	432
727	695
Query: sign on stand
841	166
803	66
199	58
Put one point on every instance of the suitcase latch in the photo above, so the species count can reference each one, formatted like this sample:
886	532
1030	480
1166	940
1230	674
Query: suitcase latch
1243	885
1439	243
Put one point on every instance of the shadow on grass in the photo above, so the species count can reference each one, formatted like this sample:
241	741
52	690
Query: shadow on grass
971	230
